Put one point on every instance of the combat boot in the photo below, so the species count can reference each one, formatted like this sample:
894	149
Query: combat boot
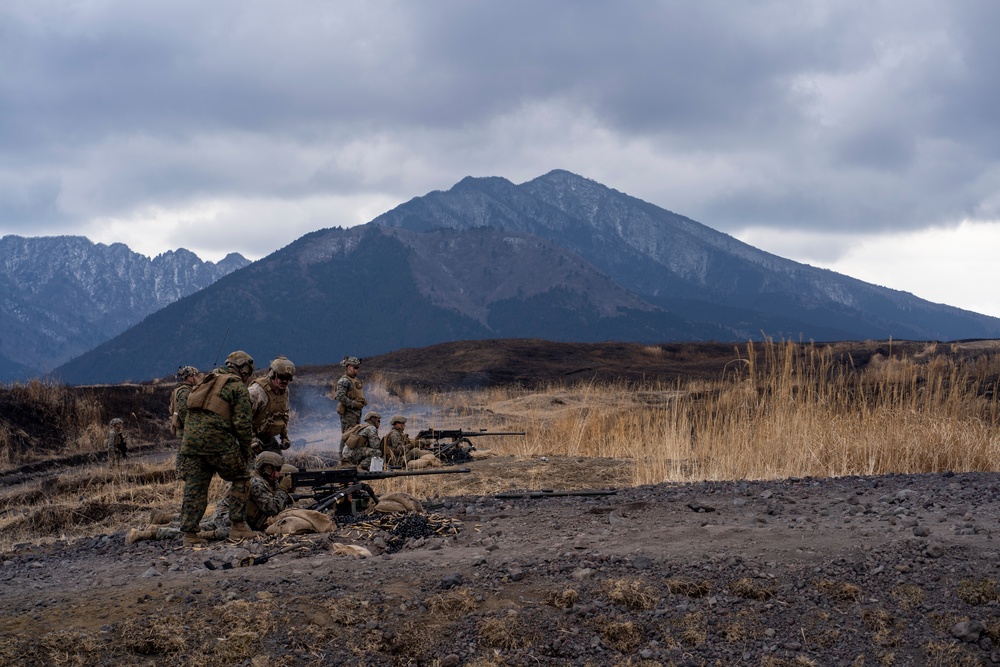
208	535
135	535
241	531
193	540
160	518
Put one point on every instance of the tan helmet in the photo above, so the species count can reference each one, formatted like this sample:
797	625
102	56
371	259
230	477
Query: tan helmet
373	416
281	366
287	468
241	362
397	419
184	372
268	458
351	361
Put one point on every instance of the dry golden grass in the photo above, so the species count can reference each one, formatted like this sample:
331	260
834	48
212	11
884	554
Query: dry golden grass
978	592
631	593
90	500
798	414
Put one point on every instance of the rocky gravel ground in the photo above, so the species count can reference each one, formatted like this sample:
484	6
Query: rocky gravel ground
889	570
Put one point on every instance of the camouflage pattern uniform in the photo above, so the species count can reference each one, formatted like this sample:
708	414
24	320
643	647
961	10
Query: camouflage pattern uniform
270	409
117	445
213	444
370	445
218	524
266	500
178	400
350	396
399	449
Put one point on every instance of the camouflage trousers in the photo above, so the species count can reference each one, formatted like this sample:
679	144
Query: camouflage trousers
351	417
197	472
362	456
218	523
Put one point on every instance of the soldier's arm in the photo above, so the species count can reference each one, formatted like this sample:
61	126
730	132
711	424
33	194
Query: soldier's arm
242	417
182	404
270	502
343	386
258	398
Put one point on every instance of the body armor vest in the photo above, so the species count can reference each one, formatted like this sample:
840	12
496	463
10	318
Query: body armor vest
206	395
273	419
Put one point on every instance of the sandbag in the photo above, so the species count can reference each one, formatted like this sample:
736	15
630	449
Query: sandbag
296	521
398	502
354	550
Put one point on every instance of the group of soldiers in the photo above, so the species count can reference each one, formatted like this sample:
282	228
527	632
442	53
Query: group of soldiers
223	418
360	442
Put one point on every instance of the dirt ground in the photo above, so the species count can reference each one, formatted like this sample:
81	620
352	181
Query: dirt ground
894	570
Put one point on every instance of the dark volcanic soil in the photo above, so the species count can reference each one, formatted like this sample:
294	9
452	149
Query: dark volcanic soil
893	570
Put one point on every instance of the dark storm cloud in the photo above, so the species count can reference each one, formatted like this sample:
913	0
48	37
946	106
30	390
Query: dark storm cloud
827	115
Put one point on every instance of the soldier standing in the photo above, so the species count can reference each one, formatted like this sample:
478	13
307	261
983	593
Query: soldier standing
362	443
217	437
269	404
117	446
350	396
188	376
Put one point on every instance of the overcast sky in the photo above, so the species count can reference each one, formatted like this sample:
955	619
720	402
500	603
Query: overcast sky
857	136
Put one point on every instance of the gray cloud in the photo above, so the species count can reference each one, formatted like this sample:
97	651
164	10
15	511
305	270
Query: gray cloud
850	116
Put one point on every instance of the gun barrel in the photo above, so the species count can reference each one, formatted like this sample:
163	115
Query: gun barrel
411	473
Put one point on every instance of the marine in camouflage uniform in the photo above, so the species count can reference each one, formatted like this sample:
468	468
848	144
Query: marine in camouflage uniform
397	446
369	445
350	395
270	493
188	376
269	404
117	445
217	437
270	490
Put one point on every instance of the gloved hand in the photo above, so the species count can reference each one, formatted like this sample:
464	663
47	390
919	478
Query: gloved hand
285	444
256	447
285	483
362	402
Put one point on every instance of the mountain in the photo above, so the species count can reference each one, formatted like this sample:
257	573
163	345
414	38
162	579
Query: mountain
560	257
63	295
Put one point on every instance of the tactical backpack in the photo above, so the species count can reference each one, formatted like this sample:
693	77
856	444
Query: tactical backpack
352	436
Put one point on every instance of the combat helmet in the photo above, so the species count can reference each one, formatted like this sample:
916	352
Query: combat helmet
281	366
351	361
185	372
397	419
117	420
373	416
268	458
241	362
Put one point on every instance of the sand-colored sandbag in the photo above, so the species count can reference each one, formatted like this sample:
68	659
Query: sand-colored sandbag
419	464
482	454
390	506
352	550
296	521
409	503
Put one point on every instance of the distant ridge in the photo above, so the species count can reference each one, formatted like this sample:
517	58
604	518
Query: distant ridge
560	257
62	295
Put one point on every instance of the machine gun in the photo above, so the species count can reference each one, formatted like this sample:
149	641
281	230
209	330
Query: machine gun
458	448
347	489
